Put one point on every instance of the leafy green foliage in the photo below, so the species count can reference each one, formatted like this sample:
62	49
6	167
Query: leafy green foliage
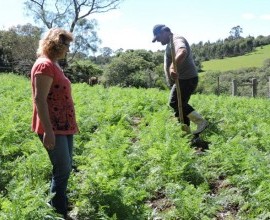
253	59
82	70
233	46
137	68
133	160
209	81
18	47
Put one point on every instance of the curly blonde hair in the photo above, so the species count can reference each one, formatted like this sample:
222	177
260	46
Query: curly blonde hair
54	42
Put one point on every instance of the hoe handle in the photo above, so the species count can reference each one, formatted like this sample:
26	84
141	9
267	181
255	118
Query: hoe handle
179	97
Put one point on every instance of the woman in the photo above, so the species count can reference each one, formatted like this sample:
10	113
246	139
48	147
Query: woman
53	111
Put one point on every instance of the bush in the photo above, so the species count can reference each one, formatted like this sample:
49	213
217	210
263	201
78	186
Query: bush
82	70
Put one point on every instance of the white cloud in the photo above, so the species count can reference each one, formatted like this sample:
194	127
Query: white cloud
248	16
122	39
129	38
265	17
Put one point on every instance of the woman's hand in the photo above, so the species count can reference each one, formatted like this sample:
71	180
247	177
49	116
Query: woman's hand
49	140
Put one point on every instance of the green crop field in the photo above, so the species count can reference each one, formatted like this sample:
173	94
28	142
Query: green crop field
133	160
254	59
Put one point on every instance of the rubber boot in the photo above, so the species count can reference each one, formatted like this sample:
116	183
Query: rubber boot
201	123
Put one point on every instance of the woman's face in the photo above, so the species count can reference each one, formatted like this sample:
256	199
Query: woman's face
66	46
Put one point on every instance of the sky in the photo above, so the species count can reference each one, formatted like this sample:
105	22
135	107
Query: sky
130	26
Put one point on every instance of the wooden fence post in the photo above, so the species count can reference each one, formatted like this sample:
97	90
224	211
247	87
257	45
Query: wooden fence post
269	85
234	87
218	85
254	87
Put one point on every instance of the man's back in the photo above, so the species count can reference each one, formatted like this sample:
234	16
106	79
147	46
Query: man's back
187	68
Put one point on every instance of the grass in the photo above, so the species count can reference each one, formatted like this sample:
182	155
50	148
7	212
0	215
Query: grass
254	59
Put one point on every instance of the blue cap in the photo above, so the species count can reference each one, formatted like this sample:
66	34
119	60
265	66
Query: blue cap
156	30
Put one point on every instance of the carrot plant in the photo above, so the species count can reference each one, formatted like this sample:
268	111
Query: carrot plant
133	161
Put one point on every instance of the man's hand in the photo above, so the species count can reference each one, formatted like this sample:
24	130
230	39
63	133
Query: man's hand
173	74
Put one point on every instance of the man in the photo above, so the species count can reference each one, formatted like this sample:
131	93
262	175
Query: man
186	74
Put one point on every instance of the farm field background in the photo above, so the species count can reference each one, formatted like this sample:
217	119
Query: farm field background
132	161
254	59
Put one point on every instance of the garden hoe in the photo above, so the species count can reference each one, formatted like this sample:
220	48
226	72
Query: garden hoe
196	140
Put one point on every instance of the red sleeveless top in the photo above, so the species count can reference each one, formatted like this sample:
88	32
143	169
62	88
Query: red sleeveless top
60	103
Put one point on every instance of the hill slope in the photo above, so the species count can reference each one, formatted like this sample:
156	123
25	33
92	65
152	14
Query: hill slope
254	59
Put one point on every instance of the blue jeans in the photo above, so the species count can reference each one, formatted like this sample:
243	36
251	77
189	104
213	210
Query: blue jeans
61	159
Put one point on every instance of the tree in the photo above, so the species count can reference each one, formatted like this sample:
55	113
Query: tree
18	48
106	51
136	68
82	70
236	32
72	15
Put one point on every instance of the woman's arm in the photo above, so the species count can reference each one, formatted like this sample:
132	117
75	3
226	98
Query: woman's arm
42	87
